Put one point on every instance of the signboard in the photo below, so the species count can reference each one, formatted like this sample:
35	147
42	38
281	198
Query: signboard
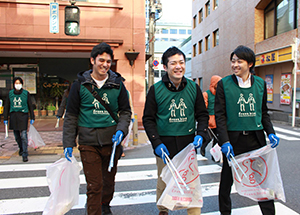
269	82
155	63
54	18
285	89
277	56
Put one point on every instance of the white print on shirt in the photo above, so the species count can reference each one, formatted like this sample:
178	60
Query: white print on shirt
104	98
17	102
173	107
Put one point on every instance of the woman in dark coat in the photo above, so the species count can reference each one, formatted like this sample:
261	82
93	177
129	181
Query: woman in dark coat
18	104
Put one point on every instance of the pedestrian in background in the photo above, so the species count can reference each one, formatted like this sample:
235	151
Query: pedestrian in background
241	126
63	104
172	107
96	127
18	104
209	99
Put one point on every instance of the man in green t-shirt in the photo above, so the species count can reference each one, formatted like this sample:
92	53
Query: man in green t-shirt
242	117
173	106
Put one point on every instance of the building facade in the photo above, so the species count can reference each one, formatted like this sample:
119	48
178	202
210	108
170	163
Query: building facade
51	60
266	26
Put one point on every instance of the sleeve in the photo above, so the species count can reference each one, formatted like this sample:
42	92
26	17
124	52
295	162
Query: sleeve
6	108
149	118
266	121
205	97
220	114
124	111
70	122
201	114
30	106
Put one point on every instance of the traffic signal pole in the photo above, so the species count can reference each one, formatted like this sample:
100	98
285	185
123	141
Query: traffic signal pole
151	37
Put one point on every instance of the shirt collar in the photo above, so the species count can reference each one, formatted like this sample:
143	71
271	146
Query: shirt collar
244	84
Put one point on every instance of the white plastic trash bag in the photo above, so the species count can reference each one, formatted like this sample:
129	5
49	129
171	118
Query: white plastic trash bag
63	180
216	152
34	138
263	181
187	166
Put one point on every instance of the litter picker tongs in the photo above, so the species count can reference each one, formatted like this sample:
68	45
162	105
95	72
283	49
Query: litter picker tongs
236	163
175	173
113	152
57	123
6	132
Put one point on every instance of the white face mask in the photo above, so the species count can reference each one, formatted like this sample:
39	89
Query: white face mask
18	86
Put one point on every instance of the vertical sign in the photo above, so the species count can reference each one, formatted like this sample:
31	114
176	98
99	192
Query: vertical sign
269	82
54	15
285	89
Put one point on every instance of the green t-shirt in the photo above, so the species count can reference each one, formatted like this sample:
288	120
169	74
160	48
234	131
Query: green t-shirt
243	105
92	114
175	110
18	102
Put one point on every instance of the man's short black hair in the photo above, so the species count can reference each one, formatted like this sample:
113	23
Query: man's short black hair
245	53
100	49
169	53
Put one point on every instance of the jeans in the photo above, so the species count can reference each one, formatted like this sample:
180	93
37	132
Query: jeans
21	139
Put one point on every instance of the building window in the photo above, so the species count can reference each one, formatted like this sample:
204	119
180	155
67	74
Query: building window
280	16
216	4
174	39
194	50
200	50
189	31
162	72
207	8
164	39
164	31
156	73
182	31
200	15
216	38
194	21
207	43
173	31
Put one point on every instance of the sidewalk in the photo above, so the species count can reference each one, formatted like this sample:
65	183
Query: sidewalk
52	138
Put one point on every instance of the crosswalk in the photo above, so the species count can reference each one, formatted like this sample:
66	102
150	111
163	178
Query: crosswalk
287	134
24	189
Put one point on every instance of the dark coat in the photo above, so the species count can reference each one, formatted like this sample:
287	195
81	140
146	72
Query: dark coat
174	144
18	120
94	136
221	117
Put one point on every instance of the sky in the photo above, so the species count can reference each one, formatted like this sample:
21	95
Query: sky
178	11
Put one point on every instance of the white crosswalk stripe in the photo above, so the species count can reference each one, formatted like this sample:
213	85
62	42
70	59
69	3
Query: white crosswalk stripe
286	134
138	196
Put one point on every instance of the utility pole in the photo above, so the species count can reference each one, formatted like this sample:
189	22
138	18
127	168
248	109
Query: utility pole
151	39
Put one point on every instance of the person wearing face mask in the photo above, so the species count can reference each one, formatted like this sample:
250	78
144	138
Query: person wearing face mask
18	104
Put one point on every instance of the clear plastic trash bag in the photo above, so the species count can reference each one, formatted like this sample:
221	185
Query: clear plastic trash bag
34	138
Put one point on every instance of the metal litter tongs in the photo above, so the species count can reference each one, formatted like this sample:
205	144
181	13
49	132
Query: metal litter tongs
113	152
57	123
6	132
175	173
236	163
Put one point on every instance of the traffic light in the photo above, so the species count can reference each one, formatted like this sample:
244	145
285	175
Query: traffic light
72	20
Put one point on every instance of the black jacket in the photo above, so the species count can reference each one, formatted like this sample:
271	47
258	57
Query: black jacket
94	136
18	120
174	144
221	117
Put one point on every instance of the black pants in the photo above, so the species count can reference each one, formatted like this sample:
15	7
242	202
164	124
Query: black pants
245	143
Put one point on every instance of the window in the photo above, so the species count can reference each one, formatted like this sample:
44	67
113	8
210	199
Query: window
162	72
164	31
182	31
194	50
200	13
207	43
164	39
173	39
280	16
189	31
194	21
207	9
216	4
156	73
216	38
173	31
200	50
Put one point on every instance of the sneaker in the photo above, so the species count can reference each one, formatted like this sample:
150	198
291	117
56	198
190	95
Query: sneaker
25	159
106	210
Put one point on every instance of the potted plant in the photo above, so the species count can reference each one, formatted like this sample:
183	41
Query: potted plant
50	108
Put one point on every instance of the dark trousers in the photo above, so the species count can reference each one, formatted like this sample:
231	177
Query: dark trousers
21	139
100	182
211	136
245	143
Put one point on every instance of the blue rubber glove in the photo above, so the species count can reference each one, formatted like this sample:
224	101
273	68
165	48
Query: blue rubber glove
118	137
274	140
198	140
5	122
227	149
68	153
132	120
58	117
158	151
31	121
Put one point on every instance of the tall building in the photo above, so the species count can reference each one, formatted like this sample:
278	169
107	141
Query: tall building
266	26
49	59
